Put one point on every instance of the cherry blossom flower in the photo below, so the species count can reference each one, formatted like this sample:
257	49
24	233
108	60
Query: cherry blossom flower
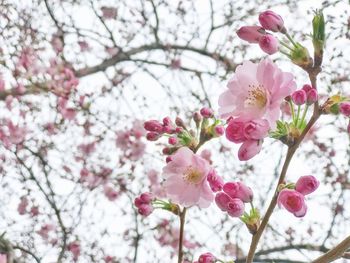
256	91
186	179
293	201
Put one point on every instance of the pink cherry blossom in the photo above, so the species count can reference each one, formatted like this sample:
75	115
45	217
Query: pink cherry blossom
186	179
249	149
3	258
307	184
293	201
238	190
256	91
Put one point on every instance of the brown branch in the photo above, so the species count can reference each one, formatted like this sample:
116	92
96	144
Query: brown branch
335	253
182	227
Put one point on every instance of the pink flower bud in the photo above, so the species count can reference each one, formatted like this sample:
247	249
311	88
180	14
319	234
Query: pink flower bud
235	207
252	34
146	197
299	97
293	201
167	121
206	258
207	113
168	159
256	130
312	96
197	117
219	130
222	200
271	21
172	140
249	149
152	136
345	108
307	88
145	209
306	184
215	181
179	122
268	44
138	201
178	129
168	129
238	190
234	131
153	126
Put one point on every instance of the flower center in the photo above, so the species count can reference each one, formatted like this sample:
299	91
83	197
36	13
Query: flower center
192	176
256	97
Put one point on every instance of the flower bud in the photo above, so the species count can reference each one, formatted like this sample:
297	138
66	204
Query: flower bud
138	202
344	108
152	136
307	88
252	34
197	118
269	44
172	140
234	131
271	21
207	258
167	121
299	97
235	207
219	130
146	197
256	130
215	181
293	201
207	113
153	126
249	149
306	184
179	122
238	190
312	96
318	35
145	209
222	200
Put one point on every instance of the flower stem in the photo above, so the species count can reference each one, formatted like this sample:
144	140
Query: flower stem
292	110
304	115
290	39
297	118
181	237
